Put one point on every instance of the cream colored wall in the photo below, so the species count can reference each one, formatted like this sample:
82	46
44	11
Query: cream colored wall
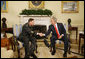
77	18
15	7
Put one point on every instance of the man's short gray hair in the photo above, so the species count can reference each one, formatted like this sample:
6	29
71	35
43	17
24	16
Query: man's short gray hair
54	18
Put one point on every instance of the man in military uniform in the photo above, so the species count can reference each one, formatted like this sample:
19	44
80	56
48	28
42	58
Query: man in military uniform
27	36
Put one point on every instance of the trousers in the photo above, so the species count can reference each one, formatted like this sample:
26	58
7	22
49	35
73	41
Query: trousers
64	39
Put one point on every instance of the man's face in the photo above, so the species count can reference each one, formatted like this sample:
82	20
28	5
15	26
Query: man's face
31	23
52	22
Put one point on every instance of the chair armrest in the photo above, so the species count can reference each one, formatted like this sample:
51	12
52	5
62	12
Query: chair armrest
17	42
67	33
20	44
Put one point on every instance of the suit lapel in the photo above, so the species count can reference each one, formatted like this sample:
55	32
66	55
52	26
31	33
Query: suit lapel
54	29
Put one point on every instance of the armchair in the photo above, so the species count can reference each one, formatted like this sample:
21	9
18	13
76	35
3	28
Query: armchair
16	31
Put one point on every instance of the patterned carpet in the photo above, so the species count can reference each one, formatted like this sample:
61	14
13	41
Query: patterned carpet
44	52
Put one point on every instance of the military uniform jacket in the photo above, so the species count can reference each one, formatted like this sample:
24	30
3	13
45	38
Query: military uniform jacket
27	31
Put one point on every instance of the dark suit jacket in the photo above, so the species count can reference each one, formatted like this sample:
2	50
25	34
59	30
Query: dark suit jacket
52	29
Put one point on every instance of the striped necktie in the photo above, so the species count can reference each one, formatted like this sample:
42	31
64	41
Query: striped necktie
57	31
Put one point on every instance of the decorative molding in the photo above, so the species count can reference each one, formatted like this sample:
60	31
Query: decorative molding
34	16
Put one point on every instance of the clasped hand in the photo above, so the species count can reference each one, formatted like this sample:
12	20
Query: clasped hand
61	36
41	34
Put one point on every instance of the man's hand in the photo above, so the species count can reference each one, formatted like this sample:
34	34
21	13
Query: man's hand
41	34
61	36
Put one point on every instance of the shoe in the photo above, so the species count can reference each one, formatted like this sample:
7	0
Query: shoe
26	57
34	56
64	55
36	51
53	53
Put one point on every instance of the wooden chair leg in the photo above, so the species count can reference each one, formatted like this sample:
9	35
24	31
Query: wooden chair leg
36	49
14	48
82	48
69	49
18	49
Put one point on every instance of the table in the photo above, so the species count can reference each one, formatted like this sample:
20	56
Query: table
74	29
81	35
7	30
5	43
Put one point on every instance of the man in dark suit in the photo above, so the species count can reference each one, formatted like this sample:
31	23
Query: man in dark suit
58	33
27	36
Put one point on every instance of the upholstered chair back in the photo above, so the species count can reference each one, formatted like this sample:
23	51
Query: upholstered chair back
17	29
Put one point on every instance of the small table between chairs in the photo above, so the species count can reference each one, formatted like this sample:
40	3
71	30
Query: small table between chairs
81	35
74	29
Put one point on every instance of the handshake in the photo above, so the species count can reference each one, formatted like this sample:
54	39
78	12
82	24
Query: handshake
41	34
